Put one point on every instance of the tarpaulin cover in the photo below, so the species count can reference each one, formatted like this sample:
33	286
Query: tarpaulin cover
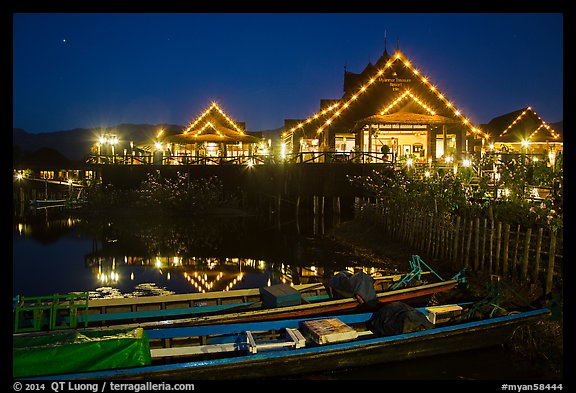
348	284
77	351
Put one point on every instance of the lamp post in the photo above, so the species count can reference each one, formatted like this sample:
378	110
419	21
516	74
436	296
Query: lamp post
113	140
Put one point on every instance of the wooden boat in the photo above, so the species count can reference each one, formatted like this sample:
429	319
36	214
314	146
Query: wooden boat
227	311
241	305
273	348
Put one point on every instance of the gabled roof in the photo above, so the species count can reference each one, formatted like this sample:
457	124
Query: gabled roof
521	125
213	125
320	121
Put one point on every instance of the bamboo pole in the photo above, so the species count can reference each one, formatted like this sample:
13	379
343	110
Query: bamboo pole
468	244
463	242
514	266
456	236
490	246
483	252
498	246
438	230
476	243
551	260
443	240
427	232
421	231
524	273
536	271
506	246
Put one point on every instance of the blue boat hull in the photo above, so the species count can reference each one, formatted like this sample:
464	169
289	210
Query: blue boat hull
436	341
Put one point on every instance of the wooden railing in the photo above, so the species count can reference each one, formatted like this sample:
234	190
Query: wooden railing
255	159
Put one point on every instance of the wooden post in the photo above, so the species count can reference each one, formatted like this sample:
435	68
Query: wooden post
279	204
506	245
483	253
490	246
463	246
536	271
498	245
515	259
468	243
436	237
551	260
429	222
443	240
336	206
476	243
524	273
297	205
456	235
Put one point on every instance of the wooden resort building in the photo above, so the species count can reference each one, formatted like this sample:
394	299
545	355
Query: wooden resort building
389	110
522	131
212	134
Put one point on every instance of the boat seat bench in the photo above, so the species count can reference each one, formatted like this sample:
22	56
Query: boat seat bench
294	339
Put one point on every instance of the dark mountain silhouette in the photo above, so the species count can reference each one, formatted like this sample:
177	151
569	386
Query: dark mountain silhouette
76	144
45	158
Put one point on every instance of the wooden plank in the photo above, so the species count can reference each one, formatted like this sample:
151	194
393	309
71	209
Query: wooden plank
296	337
170	312
195	350
251	343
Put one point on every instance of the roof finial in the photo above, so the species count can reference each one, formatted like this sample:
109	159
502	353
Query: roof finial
397	44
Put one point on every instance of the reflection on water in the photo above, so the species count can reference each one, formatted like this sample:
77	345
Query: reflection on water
131	254
146	289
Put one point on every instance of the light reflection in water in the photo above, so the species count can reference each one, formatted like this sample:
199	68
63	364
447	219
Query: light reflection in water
181	255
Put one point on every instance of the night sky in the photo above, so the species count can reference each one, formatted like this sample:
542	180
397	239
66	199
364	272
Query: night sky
98	70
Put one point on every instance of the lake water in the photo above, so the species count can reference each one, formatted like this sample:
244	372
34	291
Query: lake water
139	255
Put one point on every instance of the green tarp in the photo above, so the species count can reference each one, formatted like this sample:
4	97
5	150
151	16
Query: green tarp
77	351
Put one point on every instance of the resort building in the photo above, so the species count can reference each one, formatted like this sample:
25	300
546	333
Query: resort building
212	134
522	131
389	111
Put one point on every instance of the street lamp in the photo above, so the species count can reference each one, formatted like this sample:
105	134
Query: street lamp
113	141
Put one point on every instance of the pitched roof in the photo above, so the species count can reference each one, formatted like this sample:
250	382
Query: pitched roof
521	125
213	125
317	123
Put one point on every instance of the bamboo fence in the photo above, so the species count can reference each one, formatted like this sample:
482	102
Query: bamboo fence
526	255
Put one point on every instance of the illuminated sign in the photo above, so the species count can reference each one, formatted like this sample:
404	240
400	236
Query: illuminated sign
403	126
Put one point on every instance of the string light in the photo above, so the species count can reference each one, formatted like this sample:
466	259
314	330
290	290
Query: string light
363	88
213	107
543	125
